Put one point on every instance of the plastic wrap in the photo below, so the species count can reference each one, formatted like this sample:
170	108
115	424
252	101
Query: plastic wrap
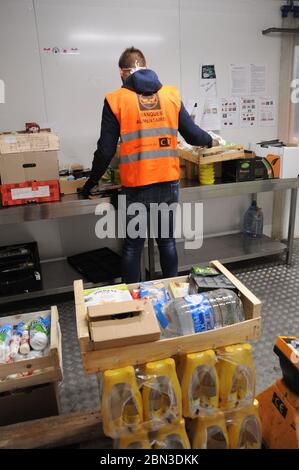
203	400
156	292
236	374
5	337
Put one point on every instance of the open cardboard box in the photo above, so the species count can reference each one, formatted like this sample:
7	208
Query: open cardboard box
71	186
26	404
122	323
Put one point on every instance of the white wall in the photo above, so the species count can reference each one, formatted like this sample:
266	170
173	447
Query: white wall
67	91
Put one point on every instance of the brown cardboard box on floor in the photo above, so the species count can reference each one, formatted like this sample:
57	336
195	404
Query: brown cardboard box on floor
26	404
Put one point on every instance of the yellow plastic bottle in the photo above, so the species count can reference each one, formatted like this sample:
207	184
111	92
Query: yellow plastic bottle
121	401
137	440
209	432
199	383
244	428
162	397
206	174
172	436
236	376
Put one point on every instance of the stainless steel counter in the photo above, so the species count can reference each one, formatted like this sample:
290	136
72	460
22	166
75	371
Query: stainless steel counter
72	205
58	276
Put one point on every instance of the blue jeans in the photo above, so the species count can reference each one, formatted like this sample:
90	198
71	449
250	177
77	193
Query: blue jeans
168	193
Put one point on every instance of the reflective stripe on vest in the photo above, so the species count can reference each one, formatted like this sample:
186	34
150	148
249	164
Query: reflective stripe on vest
148	132
135	157
159	131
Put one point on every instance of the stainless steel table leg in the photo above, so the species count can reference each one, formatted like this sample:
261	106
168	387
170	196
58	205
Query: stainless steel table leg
143	265
151	257
292	220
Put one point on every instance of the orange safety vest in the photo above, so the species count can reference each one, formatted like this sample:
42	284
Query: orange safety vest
148	135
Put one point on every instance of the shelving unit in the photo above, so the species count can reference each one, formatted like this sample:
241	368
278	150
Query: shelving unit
58	276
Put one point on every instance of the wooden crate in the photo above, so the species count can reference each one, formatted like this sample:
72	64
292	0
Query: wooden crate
95	360
45	369
202	156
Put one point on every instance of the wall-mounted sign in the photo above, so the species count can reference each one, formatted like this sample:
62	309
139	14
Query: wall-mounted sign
61	50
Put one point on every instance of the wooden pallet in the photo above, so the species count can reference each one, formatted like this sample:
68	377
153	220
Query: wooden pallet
95	360
45	369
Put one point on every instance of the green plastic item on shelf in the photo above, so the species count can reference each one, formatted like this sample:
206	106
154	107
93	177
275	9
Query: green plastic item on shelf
204	271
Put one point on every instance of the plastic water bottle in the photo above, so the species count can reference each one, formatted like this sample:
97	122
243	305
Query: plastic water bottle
201	312
227	307
253	221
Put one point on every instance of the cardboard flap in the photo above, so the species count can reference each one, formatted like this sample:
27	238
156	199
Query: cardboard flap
99	312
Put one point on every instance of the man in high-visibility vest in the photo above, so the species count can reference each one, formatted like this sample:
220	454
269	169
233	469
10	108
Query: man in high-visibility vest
147	117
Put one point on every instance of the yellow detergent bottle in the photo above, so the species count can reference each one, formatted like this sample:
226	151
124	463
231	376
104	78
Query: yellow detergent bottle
172	436
244	428
121	401
236	376
206	174
162	397
137	440
209	432
199	383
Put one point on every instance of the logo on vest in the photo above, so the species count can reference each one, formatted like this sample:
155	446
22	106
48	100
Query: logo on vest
164	142
149	102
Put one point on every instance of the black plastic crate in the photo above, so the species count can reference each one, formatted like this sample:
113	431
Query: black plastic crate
20	269
102	265
208	283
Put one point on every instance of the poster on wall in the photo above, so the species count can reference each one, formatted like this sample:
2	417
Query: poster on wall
239	79
230	112
267	112
248	79
208	84
209	109
194	107
211	119
258	81
248	111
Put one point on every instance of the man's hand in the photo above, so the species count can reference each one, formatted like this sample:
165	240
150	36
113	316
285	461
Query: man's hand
215	143
87	188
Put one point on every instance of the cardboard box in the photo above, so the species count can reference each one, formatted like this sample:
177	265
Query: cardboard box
122	323
27	166
71	186
22	141
22	405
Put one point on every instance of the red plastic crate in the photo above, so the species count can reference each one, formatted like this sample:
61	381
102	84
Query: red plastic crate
29	191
